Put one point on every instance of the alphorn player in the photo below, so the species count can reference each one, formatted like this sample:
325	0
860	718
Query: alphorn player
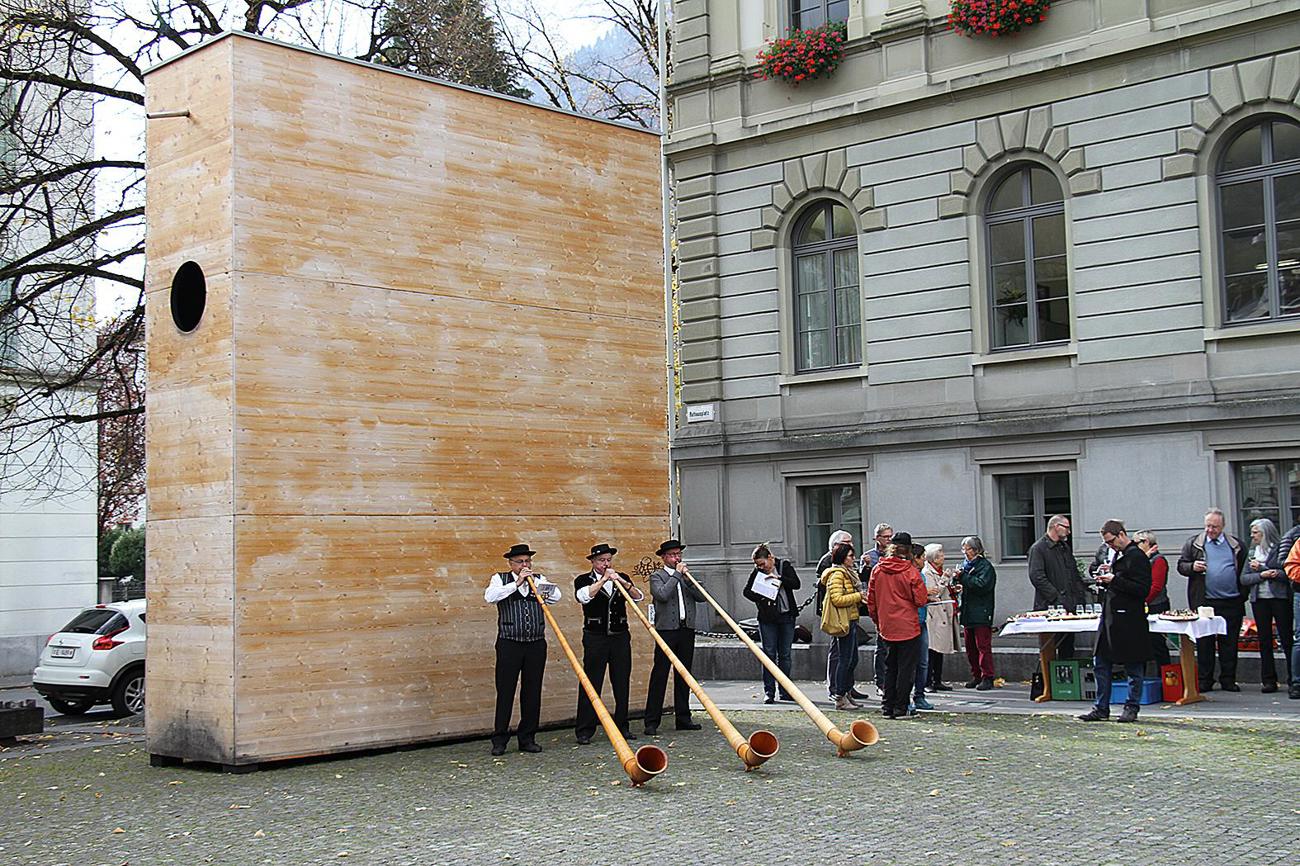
674	619
520	647
605	639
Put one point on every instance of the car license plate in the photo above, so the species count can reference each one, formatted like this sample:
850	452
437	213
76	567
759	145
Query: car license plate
62	652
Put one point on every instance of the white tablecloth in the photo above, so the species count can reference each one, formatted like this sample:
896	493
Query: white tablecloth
1195	629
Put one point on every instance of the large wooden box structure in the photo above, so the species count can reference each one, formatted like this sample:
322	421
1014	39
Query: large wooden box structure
434	326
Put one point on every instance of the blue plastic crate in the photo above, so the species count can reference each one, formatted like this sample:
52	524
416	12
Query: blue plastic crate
1152	691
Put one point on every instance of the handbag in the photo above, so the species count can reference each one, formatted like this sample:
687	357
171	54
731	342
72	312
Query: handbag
835	620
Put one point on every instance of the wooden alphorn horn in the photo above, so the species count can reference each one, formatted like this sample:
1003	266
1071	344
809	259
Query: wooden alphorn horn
860	733
641	766
760	746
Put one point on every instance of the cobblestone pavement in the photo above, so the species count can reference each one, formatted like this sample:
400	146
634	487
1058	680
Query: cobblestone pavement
948	788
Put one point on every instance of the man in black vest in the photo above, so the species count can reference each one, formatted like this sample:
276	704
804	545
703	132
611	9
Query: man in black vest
674	619
605	639
521	646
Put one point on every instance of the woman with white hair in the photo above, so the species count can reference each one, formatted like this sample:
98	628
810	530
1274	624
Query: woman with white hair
1270	599
978	581
941	615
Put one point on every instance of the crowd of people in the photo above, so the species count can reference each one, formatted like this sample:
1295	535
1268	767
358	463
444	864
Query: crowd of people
923	608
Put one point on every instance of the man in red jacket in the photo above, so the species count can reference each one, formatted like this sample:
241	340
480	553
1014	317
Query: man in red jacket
894	595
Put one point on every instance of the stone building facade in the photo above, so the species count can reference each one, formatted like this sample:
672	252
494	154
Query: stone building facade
963	283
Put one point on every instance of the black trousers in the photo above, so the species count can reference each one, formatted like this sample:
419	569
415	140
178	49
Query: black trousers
518	660
901	659
1269	611
936	670
1233	610
682	642
601	651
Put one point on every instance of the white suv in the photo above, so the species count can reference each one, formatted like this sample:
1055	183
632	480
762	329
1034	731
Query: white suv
98	658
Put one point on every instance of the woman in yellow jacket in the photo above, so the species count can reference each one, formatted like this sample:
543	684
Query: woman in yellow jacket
843	595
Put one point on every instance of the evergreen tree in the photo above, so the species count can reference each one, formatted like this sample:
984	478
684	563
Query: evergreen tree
455	40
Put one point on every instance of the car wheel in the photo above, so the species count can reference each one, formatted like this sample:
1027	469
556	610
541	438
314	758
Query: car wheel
70	708
128	695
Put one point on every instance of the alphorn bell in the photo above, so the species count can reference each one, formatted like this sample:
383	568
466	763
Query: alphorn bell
861	733
649	760
760	746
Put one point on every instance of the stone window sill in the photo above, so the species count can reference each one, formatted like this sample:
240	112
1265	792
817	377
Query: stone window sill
838	374
1067	350
1261	329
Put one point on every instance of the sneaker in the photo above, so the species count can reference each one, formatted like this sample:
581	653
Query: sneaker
1130	714
1293	693
985	684
1095	715
922	704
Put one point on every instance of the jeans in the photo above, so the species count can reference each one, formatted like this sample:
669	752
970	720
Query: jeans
1232	610
777	638
833	666
1133	670
1295	640
1268	611
923	664
848	653
881	653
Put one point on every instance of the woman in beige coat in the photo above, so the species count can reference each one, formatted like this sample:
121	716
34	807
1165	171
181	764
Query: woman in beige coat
941	614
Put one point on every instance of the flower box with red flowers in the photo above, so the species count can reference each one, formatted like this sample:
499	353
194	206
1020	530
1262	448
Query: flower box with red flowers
804	55
995	17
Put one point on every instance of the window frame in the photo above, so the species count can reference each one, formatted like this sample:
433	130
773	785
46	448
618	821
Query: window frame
813	553
1025	215
1285	505
1267	173
826	14
1040	515
827	249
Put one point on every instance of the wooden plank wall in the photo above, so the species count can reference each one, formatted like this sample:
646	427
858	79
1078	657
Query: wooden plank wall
448	337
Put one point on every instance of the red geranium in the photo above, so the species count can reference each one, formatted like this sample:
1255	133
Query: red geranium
804	54
995	17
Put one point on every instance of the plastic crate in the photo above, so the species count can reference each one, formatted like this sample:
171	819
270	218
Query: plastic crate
1089	687
1066	680
1151	691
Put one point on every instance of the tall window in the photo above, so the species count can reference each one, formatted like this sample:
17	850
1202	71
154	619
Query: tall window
826	509
1269	490
828	301
1027	501
1259	212
814	13
1025	225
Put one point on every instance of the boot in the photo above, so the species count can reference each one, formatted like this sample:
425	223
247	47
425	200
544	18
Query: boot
844	702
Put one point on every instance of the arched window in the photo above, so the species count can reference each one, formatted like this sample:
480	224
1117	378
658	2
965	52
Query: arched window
1028	280
1258	180
828	301
806	14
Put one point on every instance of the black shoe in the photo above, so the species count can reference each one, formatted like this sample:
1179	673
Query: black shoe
769	700
857	695
651	731
1293	693
1268	688
940	687
1230	687
1205	687
628	735
889	714
786	699
970	684
689	726
1094	715
1130	714
584	741
985	685
530	748
498	750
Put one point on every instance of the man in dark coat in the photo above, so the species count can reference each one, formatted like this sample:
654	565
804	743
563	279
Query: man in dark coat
1123	637
1212	562
1055	576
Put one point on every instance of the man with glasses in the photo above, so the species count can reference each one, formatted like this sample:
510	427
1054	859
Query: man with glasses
1055	576
520	647
1212	562
870	559
1123	636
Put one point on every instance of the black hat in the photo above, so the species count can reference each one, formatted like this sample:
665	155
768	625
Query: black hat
598	549
519	550
902	539
670	544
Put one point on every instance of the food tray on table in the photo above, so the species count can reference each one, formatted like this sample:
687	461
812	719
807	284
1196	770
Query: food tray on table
1179	615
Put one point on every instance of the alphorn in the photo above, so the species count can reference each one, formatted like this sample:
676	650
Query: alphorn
760	746
641	766
860	733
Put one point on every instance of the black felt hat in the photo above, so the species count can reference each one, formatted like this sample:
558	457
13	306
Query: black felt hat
670	544
519	550
598	549
902	539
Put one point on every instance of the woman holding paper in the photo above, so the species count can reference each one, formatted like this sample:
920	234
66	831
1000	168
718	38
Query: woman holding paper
771	588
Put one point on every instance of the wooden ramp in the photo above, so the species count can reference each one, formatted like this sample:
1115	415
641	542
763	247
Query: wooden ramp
422	323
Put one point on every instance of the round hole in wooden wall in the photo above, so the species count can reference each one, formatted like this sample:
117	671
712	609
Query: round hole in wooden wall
189	296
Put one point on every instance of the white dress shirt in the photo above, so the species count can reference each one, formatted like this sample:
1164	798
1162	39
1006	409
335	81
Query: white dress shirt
496	590
584	592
